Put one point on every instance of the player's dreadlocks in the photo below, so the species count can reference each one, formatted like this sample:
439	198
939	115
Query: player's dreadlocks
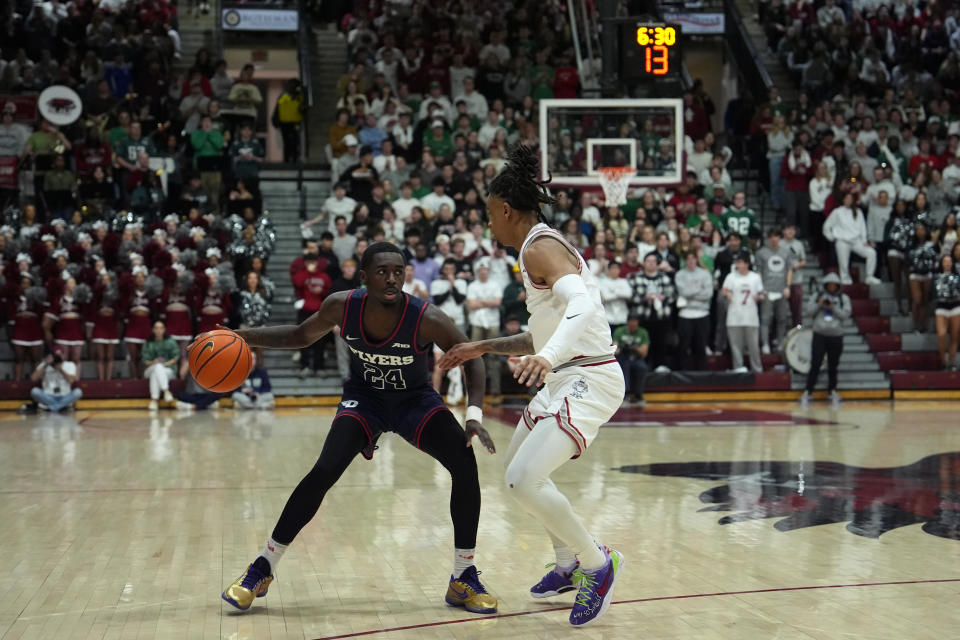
517	184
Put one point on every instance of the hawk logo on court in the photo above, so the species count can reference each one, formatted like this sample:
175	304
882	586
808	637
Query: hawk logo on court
579	388
872	501
348	404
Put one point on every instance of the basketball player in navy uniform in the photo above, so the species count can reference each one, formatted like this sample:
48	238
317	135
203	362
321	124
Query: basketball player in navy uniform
390	336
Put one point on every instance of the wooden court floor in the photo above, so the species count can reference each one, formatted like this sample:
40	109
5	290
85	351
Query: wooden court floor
737	521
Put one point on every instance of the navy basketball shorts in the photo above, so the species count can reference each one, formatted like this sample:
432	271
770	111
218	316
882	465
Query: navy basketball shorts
405	413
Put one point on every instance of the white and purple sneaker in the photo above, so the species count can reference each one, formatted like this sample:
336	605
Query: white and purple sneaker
596	589
554	583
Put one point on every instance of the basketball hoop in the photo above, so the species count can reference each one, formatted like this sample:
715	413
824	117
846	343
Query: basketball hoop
615	181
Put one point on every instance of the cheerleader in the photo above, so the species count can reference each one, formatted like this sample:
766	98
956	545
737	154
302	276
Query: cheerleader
27	306
254	306
946	291
137	319
922	261
897	235
214	302
63	323
106	333
176	311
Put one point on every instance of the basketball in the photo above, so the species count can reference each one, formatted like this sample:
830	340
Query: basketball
221	361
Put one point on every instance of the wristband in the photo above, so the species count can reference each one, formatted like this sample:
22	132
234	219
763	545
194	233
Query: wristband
475	413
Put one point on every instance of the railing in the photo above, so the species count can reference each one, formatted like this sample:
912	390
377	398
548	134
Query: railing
753	71
304	42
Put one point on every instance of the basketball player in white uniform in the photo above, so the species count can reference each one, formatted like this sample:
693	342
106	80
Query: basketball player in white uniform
568	349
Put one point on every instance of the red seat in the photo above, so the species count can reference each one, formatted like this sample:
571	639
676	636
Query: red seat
883	341
873	324
857	291
865	308
909	361
925	380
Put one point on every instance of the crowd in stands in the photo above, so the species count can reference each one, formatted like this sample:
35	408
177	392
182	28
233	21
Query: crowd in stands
867	161
146	209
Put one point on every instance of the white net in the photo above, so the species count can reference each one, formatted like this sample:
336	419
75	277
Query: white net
614	181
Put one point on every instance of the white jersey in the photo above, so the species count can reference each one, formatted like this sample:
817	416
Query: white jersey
546	309
742	310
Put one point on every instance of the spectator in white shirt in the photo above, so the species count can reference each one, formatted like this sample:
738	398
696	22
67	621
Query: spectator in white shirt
449	293
338	204
847	229
476	103
616	293
412	286
432	201
459	71
489	129
406	202
436	97
386	161
496	47
743	289
58	376
829	13
387	65
483	300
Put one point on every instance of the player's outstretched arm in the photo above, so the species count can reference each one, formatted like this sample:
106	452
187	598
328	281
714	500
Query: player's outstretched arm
518	345
437	328
299	336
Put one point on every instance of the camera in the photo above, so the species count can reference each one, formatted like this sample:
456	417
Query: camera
57	358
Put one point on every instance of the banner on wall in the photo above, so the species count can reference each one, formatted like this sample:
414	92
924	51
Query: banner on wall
8	173
24	107
233	19
698	23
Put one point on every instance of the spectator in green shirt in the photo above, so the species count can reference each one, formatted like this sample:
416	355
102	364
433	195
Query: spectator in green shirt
59	188
438	140
633	343
121	131
541	77
247	154
206	141
514	300
739	217
129	149
160	355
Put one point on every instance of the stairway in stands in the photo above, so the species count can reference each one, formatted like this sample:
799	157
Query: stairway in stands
327	64
196	32
778	72
281	200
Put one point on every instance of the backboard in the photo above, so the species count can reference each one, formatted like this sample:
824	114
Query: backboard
577	136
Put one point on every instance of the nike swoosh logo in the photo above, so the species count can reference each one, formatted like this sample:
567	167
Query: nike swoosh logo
209	345
352	338
457	592
572	317
606	584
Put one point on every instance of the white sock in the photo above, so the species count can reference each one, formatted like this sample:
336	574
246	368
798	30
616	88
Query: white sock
462	559
592	558
566	560
273	552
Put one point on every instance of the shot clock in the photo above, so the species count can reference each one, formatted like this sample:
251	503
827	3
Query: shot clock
656	41
650	51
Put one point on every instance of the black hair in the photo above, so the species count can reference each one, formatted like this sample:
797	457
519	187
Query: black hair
448	261
326	235
377	248
517	184
775	231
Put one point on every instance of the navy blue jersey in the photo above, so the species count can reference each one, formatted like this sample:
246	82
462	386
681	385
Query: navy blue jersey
397	366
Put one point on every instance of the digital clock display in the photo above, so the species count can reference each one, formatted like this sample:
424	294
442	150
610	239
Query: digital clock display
656	42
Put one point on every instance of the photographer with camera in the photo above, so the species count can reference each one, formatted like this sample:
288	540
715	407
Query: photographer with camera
58	376
829	308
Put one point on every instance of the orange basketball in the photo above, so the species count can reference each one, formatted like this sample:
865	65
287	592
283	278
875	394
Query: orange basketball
220	362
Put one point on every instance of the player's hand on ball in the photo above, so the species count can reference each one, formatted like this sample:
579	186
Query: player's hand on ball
474	428
531	370
458	354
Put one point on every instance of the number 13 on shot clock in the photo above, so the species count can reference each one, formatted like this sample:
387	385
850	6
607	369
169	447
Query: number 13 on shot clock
657	42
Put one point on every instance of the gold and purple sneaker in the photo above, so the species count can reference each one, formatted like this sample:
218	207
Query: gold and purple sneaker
468	592
252	584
